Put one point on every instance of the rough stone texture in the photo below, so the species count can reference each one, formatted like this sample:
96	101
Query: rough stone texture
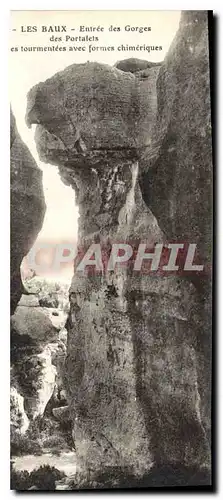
38	351
47	381
176	171
62	413
50	302
33	371
134	65
51	295
32	322
29	300
177	184
88	121
18	419
27	207
136	358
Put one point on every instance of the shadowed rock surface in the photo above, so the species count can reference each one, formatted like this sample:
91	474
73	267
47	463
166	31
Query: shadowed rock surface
27	207
137	345
177	182
90	124
134	65
38	352
177	172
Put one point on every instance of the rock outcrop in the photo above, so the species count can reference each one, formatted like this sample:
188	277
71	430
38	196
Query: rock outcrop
89	123
134	65
38	351
19	420
177	178
27	207
177	172
134	368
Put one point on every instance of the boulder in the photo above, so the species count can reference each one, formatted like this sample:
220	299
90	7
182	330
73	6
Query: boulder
62	413
107	110
49	293
29	301
57	317
33	323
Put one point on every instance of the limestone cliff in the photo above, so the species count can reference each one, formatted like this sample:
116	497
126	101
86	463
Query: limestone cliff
27	207
135	370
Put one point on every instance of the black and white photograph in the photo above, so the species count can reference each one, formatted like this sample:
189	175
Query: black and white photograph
111	210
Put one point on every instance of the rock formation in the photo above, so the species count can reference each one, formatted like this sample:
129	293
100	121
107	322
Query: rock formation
134	65
38	351
135	367
19	421
27	207
176	172
177	167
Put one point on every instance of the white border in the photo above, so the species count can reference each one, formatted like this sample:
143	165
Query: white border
4	199
115	5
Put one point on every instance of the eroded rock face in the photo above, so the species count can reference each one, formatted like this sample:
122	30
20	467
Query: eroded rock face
33	371
27	207
38	351
134	65
90	124
176	170
18	418
133	379
177	180
33	322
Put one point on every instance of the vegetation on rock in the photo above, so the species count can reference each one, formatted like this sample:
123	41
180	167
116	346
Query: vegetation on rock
43	478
